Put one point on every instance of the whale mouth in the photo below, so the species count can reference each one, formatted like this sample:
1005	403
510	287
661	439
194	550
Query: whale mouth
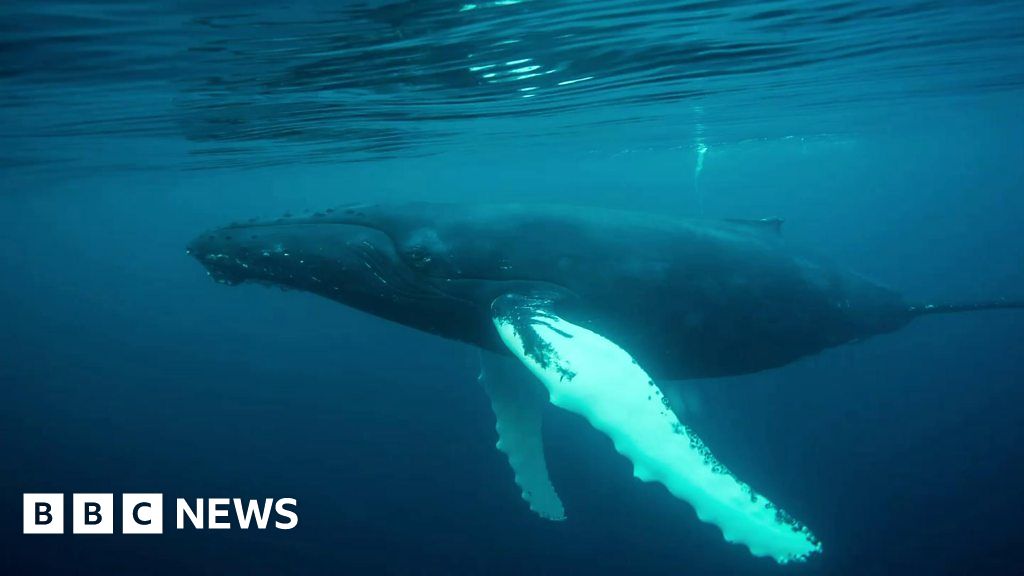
220	270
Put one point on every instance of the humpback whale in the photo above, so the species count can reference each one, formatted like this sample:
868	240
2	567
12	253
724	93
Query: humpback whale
592	310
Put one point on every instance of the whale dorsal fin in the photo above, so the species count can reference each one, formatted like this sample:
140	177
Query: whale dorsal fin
769	225
592	376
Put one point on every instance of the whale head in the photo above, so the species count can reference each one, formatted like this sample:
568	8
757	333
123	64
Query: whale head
350	256
321	257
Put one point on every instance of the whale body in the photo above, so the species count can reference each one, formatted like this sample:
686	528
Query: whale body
597	305
689	298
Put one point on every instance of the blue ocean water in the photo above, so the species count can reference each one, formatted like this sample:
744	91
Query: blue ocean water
887	134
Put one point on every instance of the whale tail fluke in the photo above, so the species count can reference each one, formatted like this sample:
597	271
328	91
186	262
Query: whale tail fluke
1001	304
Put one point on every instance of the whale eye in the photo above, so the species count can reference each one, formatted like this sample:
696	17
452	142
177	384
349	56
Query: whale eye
418	256
424	251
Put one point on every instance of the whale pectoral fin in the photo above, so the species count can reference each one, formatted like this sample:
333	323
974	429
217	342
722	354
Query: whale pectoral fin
590	375
518	400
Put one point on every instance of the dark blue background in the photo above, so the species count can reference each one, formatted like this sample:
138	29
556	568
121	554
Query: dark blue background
123	368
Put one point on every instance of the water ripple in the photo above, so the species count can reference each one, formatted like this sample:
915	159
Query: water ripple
250	84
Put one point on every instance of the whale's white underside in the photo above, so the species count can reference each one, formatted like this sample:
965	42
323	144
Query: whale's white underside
590	375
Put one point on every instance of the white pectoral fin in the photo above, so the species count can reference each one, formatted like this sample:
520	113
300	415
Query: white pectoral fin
518	400
590	375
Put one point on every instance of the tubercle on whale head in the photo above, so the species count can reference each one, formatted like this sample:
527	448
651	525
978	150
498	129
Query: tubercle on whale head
357	243
335	258
357	264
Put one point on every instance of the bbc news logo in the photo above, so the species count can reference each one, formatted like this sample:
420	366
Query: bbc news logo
143	513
